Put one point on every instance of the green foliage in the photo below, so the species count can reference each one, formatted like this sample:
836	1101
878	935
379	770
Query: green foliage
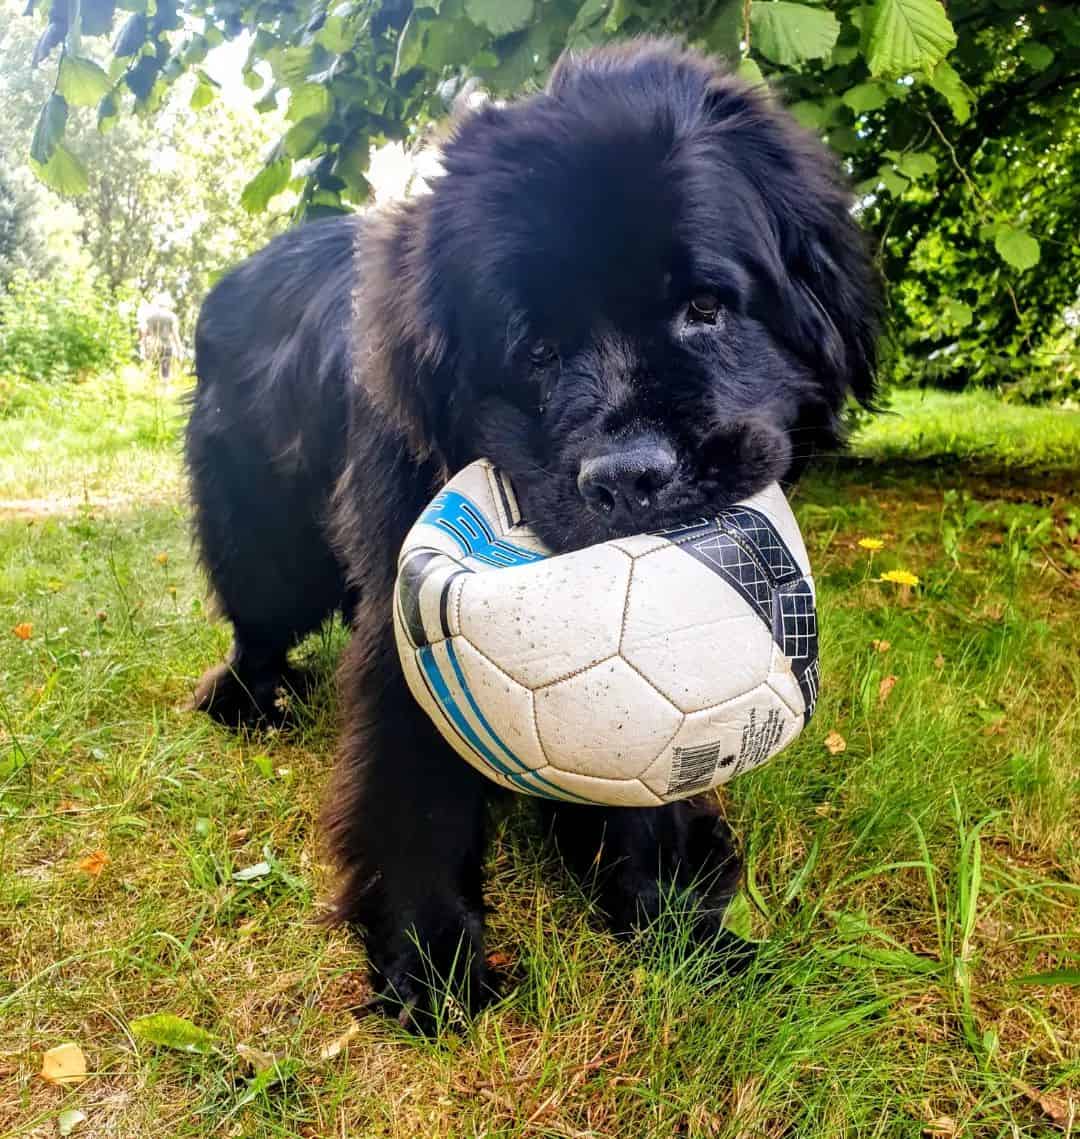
60	330
959	123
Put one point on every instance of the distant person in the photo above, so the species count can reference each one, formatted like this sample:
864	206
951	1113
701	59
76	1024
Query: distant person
159	335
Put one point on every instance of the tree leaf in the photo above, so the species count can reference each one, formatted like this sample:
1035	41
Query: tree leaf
63	173
865	97
202	96
588	15
959	316
893	181
269	182
749	72
131	36
1036	55
308	100
96	17
500	17
81	81
916	164
907	35
945	81
1017	247
171	1031
790	33
302	137
50	129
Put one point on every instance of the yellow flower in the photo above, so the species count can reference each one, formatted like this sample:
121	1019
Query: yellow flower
900	577
871	544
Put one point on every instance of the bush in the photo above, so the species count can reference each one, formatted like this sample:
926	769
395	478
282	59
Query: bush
60	329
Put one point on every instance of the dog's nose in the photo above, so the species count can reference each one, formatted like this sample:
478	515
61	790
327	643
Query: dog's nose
623	486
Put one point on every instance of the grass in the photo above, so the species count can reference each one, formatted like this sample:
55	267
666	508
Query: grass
910	885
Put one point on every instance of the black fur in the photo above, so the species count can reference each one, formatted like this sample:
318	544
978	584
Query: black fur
646	259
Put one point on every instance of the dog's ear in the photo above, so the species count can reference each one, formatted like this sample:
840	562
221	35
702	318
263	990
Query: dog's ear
820	287
402	357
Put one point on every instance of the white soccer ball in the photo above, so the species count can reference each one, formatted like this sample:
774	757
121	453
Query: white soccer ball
631	673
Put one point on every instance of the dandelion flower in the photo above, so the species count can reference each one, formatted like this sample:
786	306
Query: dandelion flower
871	544
900	577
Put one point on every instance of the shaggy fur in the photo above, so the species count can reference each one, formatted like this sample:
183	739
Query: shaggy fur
639	292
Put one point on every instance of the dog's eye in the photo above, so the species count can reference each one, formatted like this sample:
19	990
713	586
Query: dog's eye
704	308
543	353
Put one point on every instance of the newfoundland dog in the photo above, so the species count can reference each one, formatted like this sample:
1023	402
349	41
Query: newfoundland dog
642	294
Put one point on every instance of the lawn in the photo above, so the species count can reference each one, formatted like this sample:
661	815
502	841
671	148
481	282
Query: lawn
913	862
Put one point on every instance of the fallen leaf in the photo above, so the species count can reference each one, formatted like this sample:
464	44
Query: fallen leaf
499	960
939	662
249	873
172	1031
23	630
67	1121
943	1125
888	683
335	1047
835	743
823	809
102	616
94	863
1061	1110
162	558
64	1064
997	728
881	646
255	1058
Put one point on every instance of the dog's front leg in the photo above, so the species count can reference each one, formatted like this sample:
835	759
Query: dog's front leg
406	820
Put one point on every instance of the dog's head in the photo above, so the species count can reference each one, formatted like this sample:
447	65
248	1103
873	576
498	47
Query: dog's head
640	292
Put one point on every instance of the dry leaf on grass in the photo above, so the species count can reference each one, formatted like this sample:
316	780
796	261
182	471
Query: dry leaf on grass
23	630
335	1047
939	662
888	683
940	1127
94	863
835	743
67	1121
881	646
1061	1108
255	1058
64	1064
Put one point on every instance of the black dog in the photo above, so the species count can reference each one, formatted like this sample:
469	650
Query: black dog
641	293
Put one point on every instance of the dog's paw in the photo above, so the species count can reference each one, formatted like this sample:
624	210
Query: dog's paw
428	1000
239	701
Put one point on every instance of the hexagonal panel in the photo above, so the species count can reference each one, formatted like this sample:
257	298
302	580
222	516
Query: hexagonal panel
548	619
505	718
605	721
714	746
611	792
782	681
691	634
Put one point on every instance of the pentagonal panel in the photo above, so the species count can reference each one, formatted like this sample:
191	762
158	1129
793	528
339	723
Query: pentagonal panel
609	792
691	634
502	708
606	721
714	746
548	619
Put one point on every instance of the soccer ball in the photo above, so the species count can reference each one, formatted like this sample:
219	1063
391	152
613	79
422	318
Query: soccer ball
631	673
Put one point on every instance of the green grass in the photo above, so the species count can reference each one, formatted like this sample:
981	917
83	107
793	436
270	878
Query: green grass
906	885
977	429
